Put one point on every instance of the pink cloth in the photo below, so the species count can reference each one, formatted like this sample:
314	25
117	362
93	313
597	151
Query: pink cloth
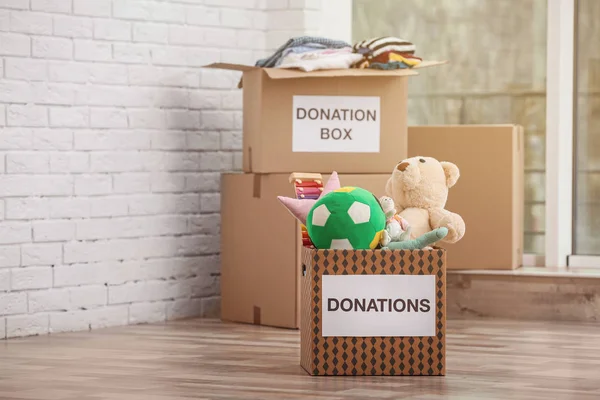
403	223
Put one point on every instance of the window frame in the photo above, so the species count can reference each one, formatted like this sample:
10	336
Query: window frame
560	179
560	132
561	114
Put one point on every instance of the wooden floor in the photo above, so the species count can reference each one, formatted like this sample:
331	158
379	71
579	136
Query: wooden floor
199	359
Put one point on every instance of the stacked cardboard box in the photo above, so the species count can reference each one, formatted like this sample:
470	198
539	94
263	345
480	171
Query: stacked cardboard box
353	122
489	194
349	120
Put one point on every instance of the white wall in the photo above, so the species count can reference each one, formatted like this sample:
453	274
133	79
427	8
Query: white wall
336	16
112	141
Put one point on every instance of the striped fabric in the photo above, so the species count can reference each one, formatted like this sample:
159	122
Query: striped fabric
375	46
409	60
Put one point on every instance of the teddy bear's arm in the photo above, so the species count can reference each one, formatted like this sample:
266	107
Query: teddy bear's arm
443	218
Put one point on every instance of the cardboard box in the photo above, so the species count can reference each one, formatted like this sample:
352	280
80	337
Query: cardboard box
260	247
403	332
348	120
489	194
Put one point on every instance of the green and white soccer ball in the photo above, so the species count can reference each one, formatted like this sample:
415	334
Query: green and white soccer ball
346	218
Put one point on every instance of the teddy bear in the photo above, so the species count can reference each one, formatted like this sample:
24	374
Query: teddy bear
419	186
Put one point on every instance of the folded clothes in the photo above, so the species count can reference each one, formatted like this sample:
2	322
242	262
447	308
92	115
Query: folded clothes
275	58
388	56
373	47
386	52
321	59
390	65
412	61
300	49
314	54
311	53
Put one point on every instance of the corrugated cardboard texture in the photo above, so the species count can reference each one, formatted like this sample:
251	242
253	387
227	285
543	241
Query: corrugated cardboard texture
488	195
260	247
268	118
370	355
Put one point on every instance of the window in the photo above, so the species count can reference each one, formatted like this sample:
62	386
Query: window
496	74
586	208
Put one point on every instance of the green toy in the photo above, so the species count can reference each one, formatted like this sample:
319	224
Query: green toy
346	218
420	242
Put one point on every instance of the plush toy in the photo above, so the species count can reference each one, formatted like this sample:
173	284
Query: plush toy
299	208
397	228
419	187
422	242
329	227
347	218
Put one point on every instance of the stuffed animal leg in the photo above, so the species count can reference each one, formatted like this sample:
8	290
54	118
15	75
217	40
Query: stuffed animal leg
420	242
396	230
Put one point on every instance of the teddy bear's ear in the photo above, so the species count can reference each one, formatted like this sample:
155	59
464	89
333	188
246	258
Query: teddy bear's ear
452	173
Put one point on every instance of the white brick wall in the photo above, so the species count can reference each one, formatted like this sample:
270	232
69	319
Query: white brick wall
112	142
109	165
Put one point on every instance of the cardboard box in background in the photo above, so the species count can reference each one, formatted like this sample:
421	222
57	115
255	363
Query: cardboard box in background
261	241
261	245
405	335
348	120
489	194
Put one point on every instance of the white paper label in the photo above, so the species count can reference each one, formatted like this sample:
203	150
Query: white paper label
378	305
336	124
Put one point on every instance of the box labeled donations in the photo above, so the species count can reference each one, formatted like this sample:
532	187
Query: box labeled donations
373	312
347	120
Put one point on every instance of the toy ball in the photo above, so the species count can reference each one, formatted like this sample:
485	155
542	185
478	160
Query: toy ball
346	218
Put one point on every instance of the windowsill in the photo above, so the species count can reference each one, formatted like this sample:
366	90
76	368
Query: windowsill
535	272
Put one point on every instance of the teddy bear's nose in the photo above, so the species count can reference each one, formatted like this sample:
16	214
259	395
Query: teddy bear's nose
402	166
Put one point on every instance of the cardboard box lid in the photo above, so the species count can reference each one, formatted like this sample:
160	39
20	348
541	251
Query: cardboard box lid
289	73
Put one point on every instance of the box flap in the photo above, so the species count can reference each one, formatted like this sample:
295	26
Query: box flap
231	67
284	73
431	63
288	73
